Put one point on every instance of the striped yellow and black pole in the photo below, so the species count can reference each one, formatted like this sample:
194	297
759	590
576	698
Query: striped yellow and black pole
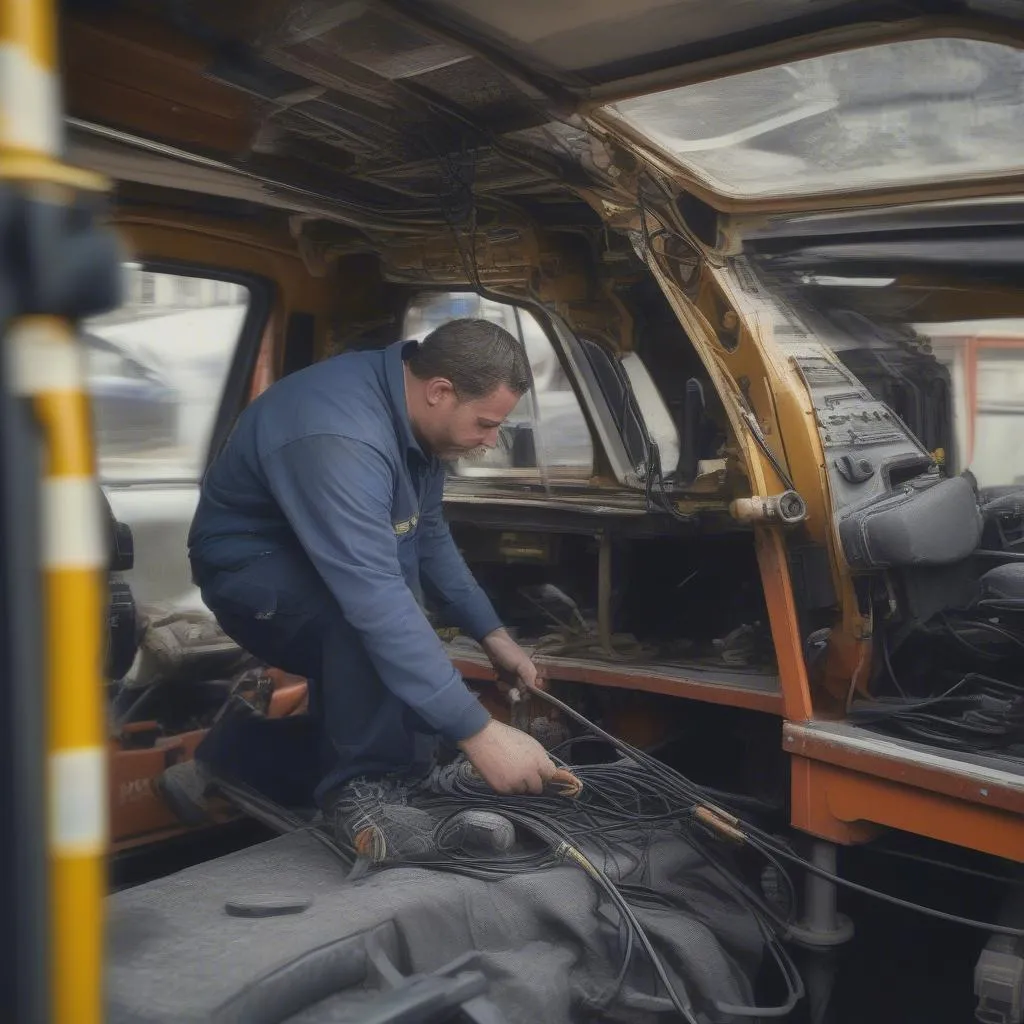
46	370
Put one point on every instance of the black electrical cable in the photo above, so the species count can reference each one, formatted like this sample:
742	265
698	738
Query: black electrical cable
979	712
617	796
945	865
634	792
982	624
888	664
896	901
763	842
971	648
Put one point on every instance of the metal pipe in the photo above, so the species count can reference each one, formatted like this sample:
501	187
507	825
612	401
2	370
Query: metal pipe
228	180
604	590
820	910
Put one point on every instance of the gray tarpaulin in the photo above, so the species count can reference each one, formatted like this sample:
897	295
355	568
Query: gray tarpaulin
548	941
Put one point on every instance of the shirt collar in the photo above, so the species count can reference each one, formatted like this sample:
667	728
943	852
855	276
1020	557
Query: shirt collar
395	356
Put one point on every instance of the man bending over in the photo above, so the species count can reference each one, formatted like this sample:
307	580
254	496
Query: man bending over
320	528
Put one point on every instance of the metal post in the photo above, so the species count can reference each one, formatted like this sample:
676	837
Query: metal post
63	269
821	925
820	909
820	931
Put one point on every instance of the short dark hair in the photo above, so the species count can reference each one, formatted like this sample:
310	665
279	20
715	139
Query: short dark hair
475	355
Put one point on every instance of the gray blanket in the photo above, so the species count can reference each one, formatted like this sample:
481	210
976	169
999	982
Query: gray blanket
548	942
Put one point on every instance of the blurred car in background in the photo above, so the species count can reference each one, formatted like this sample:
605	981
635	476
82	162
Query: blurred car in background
133	406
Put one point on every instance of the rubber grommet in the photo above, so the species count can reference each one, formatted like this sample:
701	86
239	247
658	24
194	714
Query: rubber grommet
267	905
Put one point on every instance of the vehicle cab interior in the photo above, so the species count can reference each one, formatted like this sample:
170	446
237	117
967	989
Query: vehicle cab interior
760	515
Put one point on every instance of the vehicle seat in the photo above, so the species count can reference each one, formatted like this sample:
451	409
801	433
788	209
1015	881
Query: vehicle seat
1003	587
182	646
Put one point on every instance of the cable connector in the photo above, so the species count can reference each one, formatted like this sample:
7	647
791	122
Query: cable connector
720	822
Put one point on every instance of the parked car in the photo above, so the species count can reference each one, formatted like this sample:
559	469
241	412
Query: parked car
134	408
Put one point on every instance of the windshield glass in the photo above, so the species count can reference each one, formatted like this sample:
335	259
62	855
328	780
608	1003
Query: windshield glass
903	113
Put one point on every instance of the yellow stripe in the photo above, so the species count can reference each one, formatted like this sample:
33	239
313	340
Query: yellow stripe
76	954
65	417
30	26
74	652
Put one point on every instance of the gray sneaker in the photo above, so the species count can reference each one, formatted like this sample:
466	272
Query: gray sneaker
374	818
477	832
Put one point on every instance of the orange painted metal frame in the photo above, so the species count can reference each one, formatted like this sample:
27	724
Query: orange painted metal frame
644	679
793	700
846	806
778	594
138	814
137	811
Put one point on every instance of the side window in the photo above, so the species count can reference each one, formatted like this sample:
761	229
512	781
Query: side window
156	369
999	415
547	433
985	360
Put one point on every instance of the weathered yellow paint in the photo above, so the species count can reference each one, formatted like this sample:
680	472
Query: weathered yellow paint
65	415
30	26
74	600
76	893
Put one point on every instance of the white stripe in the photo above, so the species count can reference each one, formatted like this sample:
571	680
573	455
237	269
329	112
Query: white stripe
78	801
72	531
44	358
29	103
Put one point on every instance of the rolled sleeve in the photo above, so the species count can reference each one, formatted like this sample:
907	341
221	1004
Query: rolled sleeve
336	494
444	573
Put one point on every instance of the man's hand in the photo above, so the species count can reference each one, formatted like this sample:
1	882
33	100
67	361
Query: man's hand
511	662
510	761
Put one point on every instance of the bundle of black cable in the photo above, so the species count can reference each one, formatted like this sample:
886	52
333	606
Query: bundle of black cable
664	857
956	682
662	880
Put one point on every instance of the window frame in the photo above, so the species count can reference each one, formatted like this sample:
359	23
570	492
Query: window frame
530	476
242	365
837	39
974	349
610	450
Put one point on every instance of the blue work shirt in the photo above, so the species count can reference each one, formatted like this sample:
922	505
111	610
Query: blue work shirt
326	460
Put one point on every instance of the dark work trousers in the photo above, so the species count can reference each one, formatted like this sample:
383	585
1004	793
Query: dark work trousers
279	609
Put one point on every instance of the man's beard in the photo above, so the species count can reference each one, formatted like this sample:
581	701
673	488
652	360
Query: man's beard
462	454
